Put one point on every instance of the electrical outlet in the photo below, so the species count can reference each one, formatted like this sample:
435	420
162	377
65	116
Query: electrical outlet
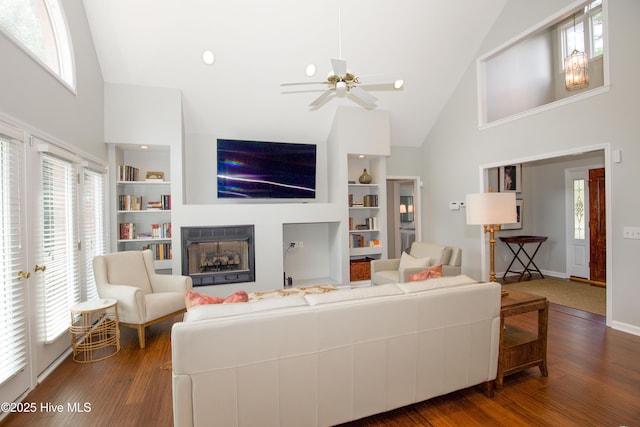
300	244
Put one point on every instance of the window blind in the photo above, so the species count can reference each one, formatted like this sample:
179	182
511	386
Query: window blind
94	233
59	251
13	326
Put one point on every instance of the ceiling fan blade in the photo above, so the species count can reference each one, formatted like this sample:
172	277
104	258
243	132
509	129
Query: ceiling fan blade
363	96
303	83
339	67
321	99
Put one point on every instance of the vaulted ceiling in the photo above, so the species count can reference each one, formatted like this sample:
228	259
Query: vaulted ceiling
259	44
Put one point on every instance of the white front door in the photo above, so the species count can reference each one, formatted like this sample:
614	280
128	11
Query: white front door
577	211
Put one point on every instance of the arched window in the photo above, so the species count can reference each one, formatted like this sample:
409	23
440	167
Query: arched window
39	27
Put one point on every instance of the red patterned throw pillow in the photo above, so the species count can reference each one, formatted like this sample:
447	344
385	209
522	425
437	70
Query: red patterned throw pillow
430	273
239	296
193	299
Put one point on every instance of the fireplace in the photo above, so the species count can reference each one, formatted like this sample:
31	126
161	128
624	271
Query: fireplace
218	255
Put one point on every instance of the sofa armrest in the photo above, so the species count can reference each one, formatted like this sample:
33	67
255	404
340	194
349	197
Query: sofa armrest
131	307
384	264
170	283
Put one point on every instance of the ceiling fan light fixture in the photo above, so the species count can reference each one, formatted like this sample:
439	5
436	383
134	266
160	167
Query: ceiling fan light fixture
310	71
208	57
341	87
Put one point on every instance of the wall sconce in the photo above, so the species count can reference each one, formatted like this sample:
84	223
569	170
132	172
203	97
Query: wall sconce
403	208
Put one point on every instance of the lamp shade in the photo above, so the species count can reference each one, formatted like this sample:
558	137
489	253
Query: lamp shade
491	208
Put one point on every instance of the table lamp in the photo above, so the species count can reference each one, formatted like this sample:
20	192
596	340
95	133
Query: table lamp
491	210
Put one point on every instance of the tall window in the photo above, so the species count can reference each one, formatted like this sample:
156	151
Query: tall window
13	333
579	225
39	27
60	250
94	238
587	35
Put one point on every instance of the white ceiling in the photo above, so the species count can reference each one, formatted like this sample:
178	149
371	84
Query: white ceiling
261	43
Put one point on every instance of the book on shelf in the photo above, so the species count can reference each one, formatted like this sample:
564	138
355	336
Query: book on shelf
128	173
370	200
128	202
127	231
161	231
154	205
161	251
372	223
357	241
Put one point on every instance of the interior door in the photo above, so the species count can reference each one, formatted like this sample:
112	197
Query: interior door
597	226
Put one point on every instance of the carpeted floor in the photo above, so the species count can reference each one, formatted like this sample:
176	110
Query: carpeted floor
581	296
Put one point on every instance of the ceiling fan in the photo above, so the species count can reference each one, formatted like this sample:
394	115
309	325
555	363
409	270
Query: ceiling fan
341	82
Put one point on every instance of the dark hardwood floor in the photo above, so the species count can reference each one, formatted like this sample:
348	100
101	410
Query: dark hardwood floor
594	380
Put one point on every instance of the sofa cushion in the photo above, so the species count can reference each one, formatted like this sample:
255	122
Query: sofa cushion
409	261
439	282
430	273
354	294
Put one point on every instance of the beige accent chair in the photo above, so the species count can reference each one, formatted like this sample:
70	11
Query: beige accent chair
144	297
389	270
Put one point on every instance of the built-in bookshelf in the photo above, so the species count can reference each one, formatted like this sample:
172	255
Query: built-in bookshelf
142	194
366	204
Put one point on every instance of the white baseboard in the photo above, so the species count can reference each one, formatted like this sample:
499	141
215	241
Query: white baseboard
625	327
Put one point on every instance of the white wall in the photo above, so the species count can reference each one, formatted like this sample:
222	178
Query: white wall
608	120
33	96
520	77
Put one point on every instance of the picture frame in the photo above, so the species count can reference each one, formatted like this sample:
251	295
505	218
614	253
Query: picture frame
510	177
516	225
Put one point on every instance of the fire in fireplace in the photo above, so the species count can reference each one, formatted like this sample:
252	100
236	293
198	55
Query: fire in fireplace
218	255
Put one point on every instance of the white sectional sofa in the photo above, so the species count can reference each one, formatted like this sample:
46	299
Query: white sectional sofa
325	359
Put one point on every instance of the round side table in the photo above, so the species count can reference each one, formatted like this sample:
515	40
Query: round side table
95	330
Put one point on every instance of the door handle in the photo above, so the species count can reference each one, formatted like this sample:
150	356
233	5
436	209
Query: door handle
38	268
23	275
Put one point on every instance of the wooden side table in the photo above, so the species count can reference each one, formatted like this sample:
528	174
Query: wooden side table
521	241
95	330
521	349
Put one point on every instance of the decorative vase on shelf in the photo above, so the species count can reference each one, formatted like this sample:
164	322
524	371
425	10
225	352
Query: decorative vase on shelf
365	178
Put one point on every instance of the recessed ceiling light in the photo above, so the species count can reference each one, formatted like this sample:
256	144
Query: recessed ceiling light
398	84
208	57
310	71
144	147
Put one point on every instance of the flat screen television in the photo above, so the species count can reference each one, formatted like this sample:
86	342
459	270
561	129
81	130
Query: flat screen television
266	170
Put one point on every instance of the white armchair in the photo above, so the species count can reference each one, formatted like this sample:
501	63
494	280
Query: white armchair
392	271
144	297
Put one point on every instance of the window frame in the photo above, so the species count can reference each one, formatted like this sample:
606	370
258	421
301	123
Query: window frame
66	72
586	20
